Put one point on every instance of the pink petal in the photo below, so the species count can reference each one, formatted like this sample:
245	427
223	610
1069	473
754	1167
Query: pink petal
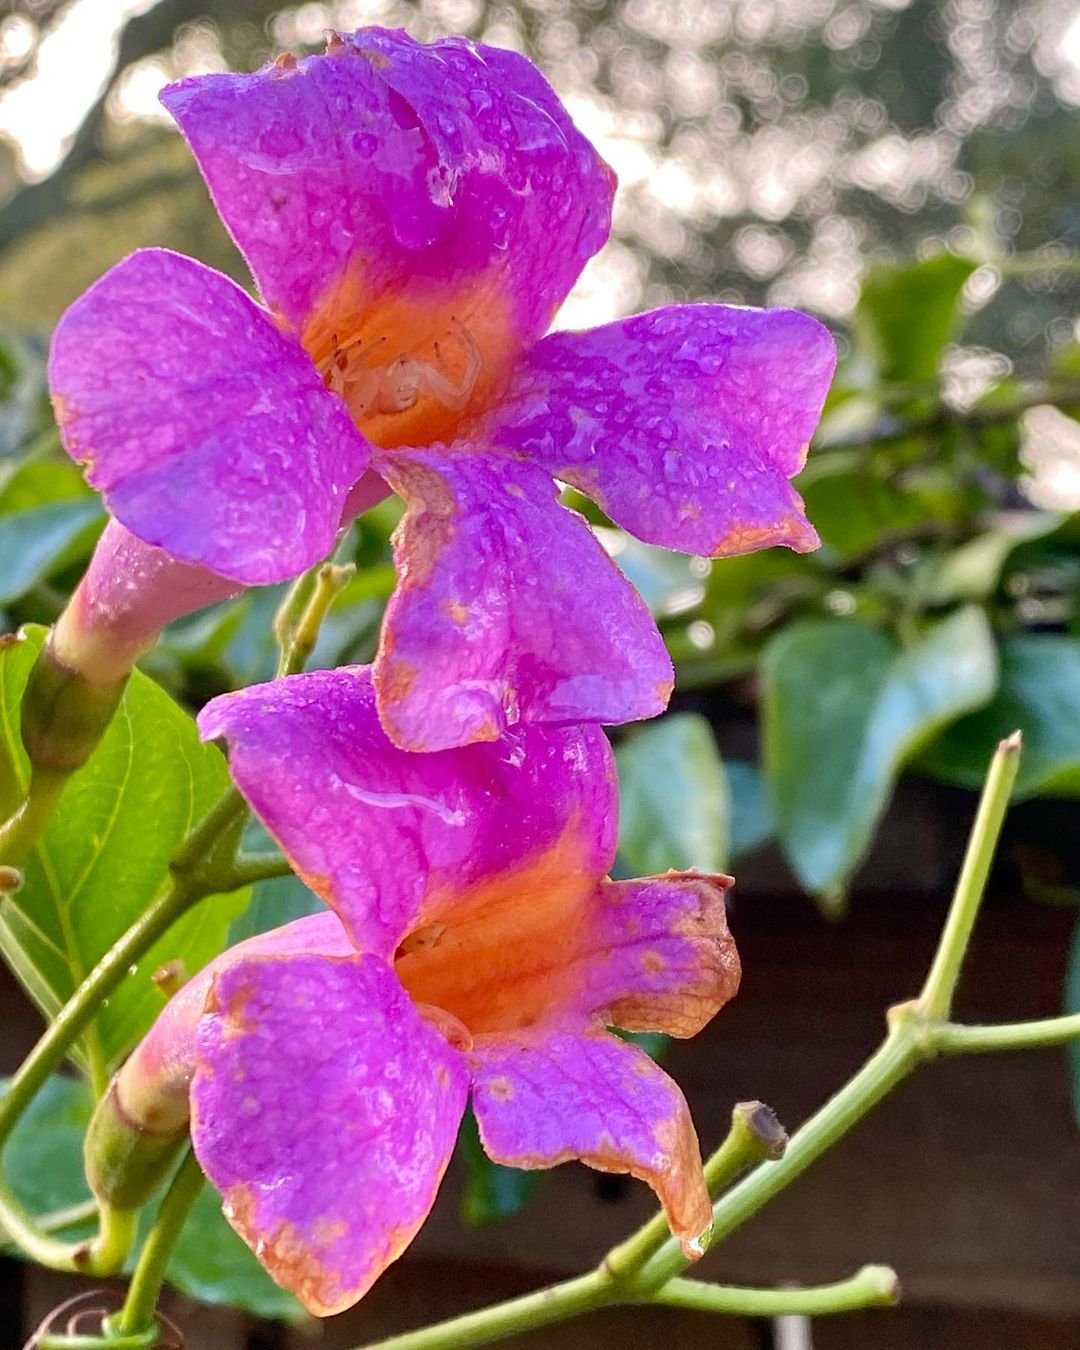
388	170
392	840
153	1084
206	428
324	1109
652	955
550	1096
507	609
684	424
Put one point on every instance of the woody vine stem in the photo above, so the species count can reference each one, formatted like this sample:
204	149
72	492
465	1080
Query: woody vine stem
755	1163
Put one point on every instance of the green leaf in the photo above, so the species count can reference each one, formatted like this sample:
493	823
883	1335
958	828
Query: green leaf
44	1156
666	581
857	503
1039	695
973	571
752	823
673	798
209	1262
844	708
42	477
492	1192
275	902
34	542
907	314
105	854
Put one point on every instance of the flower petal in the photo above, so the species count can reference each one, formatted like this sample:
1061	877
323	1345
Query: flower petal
651	955
206	428
389	189
684	424
507	609
551	1096
153	1083
324	1109
391	840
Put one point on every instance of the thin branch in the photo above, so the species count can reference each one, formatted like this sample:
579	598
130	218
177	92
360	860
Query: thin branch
871	1287
889	429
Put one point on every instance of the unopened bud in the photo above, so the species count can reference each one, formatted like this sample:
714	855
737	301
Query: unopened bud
125	1160
64	715
171	977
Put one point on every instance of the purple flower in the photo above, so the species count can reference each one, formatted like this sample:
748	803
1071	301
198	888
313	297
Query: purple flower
414	216
475	946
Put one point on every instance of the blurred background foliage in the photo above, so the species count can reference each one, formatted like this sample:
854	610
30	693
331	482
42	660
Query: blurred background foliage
908	172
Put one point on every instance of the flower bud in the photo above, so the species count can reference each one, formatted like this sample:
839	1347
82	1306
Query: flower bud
130	591
142	1121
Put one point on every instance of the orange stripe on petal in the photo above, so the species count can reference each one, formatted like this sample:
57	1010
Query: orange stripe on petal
413	368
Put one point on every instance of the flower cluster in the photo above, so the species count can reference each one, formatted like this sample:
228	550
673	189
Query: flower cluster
414	216
474	944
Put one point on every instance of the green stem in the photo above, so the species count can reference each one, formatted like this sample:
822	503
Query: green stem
1036	264
911	1038
953	1040
915	1034
936	998
198	870
252	867
291	611
59	1219
301	631
540	1309
137	1314
755	1134
19	834
82	1341
871	1287
893	1061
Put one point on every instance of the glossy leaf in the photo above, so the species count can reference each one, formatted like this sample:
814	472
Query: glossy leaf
973	571
44	1156
673	798
105	853
857	504
1039	695
844	709
907	314
666	581
34	542
752	823
274	903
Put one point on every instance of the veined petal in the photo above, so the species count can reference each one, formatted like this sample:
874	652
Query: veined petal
507	609
551	1096
684	424
324	1109
392	841
390	192
206	428
648	955
673	964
